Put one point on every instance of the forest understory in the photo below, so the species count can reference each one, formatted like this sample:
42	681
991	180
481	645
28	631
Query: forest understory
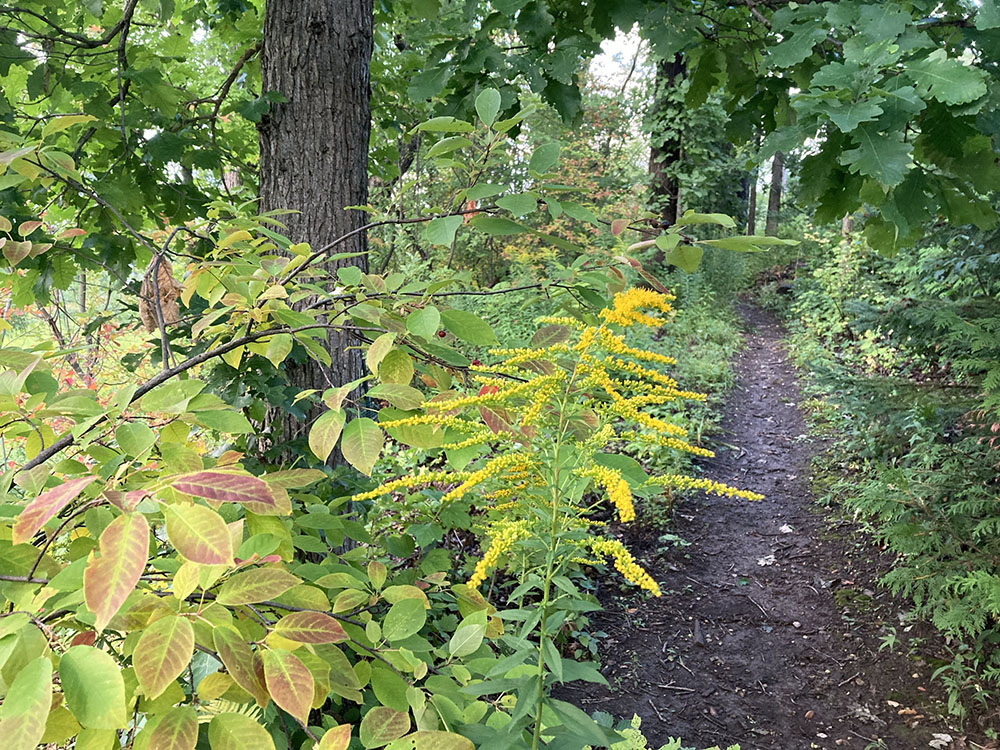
770	633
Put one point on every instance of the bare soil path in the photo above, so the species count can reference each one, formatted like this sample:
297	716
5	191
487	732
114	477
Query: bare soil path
768	631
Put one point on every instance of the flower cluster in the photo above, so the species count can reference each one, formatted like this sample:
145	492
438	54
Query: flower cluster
681	482
626	308
503	536
632	571
616	487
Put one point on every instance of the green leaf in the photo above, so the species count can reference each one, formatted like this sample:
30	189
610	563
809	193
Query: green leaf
685	257
26	707
441	231
58	124
488	106
988	16
238	659
886	158
163	652
544	157
382	725
466	640
468	327
135	438
496	226
448	146
362	444
396	367
446	125
519	205
748	243
224	420
405	618
238	732
848	115
690	217
94	688
553	660
424	322
325	432
948	80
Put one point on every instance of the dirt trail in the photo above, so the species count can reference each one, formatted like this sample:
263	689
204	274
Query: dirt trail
767	632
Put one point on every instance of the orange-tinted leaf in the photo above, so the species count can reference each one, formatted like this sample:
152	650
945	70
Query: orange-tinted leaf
110	577
199	534
289	682
177	730
228	487
45	506
382	725
163	652
337	738
26	707
310	627
237	657
257	585
618	226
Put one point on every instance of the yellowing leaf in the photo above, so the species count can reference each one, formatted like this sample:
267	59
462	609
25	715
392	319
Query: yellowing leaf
432	740
177	730
337	738
94	688
362	443
238	732
241	235
57	124
238	659
45	506
325	432
289	682
111	576
199	534
26	707
163	652
310	627
382	725
258	585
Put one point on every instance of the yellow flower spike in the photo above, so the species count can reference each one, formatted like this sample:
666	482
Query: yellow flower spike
492	468
429	477
625	563
681	482
616	487
616	345
504	535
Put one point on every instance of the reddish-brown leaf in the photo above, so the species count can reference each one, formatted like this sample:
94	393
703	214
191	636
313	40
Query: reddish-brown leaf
162	653
110	577
238	659
310	627
228	487
45	506
289	682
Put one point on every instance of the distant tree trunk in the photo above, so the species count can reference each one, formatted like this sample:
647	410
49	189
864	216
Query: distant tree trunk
314	149
774	196
752	204
847	225
665	150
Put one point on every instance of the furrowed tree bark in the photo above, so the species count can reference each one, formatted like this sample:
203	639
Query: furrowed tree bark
774	196
314	152
665	150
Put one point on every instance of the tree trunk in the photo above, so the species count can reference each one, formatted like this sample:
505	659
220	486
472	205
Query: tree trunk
665	150
752	204
774	196
847	225
314	151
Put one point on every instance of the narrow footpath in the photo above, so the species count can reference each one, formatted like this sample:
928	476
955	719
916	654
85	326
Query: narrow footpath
769	628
